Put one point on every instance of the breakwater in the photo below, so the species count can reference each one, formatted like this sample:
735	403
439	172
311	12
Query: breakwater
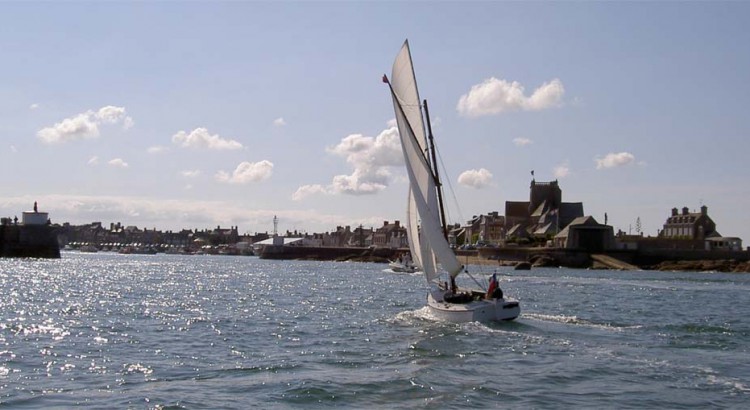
324	253
651	259
33	241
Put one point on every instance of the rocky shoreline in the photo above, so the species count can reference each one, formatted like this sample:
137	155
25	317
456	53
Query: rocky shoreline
731	265
533	257
723	265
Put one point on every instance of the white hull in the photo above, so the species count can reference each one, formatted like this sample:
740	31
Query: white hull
485	310
401	268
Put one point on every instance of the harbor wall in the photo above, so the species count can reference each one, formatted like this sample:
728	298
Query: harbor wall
33	241
572	258
330	253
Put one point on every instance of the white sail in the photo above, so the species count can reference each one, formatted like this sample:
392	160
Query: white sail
426	239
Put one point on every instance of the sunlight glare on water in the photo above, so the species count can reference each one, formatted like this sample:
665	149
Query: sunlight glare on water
108	330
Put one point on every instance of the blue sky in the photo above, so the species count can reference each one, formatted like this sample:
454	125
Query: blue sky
174	115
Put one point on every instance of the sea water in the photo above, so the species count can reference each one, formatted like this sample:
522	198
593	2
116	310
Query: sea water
168	331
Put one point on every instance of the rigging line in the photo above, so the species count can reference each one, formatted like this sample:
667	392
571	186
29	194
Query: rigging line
481	286
450	188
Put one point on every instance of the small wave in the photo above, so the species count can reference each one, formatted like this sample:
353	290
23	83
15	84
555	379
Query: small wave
423	314
137	368
731	383
574	320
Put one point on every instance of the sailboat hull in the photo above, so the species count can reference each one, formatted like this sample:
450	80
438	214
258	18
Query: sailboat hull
494	310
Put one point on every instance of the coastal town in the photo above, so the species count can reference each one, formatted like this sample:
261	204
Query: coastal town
543	230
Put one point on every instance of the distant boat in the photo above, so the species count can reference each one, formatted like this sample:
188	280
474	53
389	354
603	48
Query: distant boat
88	248
403	264
425	217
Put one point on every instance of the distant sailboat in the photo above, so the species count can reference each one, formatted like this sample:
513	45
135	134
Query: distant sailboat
425	217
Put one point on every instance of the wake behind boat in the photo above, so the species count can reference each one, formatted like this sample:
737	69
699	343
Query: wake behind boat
425	216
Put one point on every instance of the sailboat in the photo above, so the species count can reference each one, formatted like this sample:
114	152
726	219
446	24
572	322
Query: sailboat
426	226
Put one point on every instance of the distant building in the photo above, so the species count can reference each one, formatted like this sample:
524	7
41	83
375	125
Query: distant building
687	225
489	228
543	214
587	234
390	236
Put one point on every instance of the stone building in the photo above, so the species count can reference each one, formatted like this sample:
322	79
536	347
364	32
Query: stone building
689	225
489	228
585	233
543	214
390	236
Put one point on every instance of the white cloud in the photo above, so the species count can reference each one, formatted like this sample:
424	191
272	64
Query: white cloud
34	106
84	125
475	178
307	190
247	172
279	122
562	170
157	149
200	138
113	115
495	96
371	159
613	160
93	160
175	214
118	163
520	142
190	173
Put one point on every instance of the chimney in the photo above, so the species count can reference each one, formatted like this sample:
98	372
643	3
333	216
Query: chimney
674	211
704	210
396	223
385	223
685	210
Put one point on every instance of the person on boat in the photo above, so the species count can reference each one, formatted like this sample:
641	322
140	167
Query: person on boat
493	290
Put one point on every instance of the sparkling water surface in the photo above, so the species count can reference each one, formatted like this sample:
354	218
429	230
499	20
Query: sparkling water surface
169	331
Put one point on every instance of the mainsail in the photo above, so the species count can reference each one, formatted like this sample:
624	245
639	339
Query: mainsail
427	242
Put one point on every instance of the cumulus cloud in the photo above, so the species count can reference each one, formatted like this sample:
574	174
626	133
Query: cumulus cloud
613	160
247	172
84	125
520	142
190	173
156	149
495	96
475	178
562	170
371	159
118	163
306	190
201	138
279	122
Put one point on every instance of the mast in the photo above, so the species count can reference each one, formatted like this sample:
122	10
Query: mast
438	184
